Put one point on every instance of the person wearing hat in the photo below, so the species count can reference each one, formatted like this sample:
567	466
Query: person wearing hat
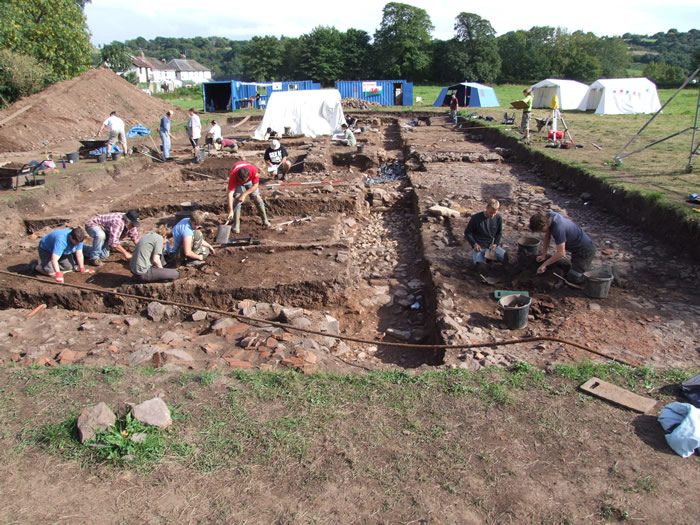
276	158
61	250
242	182
107	231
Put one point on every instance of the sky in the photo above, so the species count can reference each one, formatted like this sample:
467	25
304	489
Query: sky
121	20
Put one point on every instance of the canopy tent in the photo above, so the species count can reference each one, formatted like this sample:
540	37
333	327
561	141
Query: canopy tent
569	93
620	96
310	113
469	94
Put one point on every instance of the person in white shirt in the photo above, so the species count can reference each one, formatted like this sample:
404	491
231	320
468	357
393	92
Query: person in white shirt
214	134
194	131
116	131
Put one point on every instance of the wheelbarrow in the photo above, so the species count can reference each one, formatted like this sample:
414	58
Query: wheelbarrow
90	145
9	176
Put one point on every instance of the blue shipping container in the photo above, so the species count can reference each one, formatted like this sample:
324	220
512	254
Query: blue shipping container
230	95
384	92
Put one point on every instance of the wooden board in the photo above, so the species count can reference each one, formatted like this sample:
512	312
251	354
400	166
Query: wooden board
618	395
518	104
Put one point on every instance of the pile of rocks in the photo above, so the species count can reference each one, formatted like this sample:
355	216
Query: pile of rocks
358	103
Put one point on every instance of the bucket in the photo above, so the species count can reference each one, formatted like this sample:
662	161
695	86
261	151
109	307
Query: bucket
117	155
361	148
72	157
528	245
202	155
515	310
555	134
597	283
287	131
101	157
222	233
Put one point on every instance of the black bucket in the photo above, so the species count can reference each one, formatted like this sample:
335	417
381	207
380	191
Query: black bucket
597	283
117	155
72	157
101	157
515	310
528	245
361	148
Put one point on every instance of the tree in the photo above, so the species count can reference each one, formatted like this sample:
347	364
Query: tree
116	57
357	53
262	58
479	59
664	74
20	76
322	55
54	32
402	42
614	57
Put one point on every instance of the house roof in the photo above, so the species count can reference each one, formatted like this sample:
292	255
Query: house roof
150	63
185	64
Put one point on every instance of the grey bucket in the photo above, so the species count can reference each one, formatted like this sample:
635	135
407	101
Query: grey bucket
361	148
287	130
72	157
117	155
515	310
101	157
597	283
222	233
528	245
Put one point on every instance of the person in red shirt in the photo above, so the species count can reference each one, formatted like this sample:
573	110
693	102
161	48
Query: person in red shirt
242	182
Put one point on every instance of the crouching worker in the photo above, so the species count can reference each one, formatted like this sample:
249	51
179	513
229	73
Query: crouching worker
188	246
147	261
107	231
242	182
569	236
61	250
227	143
484	232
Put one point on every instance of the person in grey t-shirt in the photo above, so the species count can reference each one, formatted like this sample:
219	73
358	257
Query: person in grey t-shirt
147	260
567	236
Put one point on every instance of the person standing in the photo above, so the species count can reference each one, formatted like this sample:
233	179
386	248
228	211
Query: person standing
116	132
454	105
165	135
61	250
276	158
243	181
188	246
568	236
147	263
484	232
527	112
110	229
194	131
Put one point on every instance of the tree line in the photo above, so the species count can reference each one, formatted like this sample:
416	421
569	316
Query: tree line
48	40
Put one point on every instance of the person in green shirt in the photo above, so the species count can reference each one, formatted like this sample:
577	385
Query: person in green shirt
349	139
525	122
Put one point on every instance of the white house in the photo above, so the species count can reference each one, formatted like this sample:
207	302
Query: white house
156	73
189	71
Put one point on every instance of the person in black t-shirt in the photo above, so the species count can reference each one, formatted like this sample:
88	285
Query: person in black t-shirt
276	159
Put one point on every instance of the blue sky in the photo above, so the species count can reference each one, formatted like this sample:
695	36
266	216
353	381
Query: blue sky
121	20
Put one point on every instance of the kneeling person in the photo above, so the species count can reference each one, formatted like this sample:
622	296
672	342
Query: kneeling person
276	159
242	182
61	250
484	232
188	246
147	261
569	236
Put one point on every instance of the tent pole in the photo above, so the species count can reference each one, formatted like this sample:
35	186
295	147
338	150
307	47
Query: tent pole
693	148
687	80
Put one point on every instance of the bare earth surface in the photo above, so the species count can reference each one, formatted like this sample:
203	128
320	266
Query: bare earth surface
366	261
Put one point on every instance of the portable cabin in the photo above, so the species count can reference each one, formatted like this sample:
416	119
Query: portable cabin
469	94
384	92
229	95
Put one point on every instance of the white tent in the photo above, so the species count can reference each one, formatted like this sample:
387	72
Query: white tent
569	92
312	112
621	96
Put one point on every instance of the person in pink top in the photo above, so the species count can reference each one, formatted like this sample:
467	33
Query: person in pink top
243	181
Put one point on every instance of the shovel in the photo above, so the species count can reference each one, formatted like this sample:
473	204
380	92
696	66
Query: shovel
223	232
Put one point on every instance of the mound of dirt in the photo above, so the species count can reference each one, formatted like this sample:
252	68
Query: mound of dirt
75	109
358	103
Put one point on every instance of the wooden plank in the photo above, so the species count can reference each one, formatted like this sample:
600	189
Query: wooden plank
15	114
618	395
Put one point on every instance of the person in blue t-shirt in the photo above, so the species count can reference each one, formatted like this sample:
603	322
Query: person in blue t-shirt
188	246
567	236
61	250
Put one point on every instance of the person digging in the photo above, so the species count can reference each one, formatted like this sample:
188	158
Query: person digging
567	236
188	246
242	182
61	250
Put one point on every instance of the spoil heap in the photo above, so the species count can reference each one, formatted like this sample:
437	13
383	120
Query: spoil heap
358	103
75	108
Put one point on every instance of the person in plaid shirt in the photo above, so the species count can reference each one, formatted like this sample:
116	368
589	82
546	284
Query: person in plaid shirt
107	231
